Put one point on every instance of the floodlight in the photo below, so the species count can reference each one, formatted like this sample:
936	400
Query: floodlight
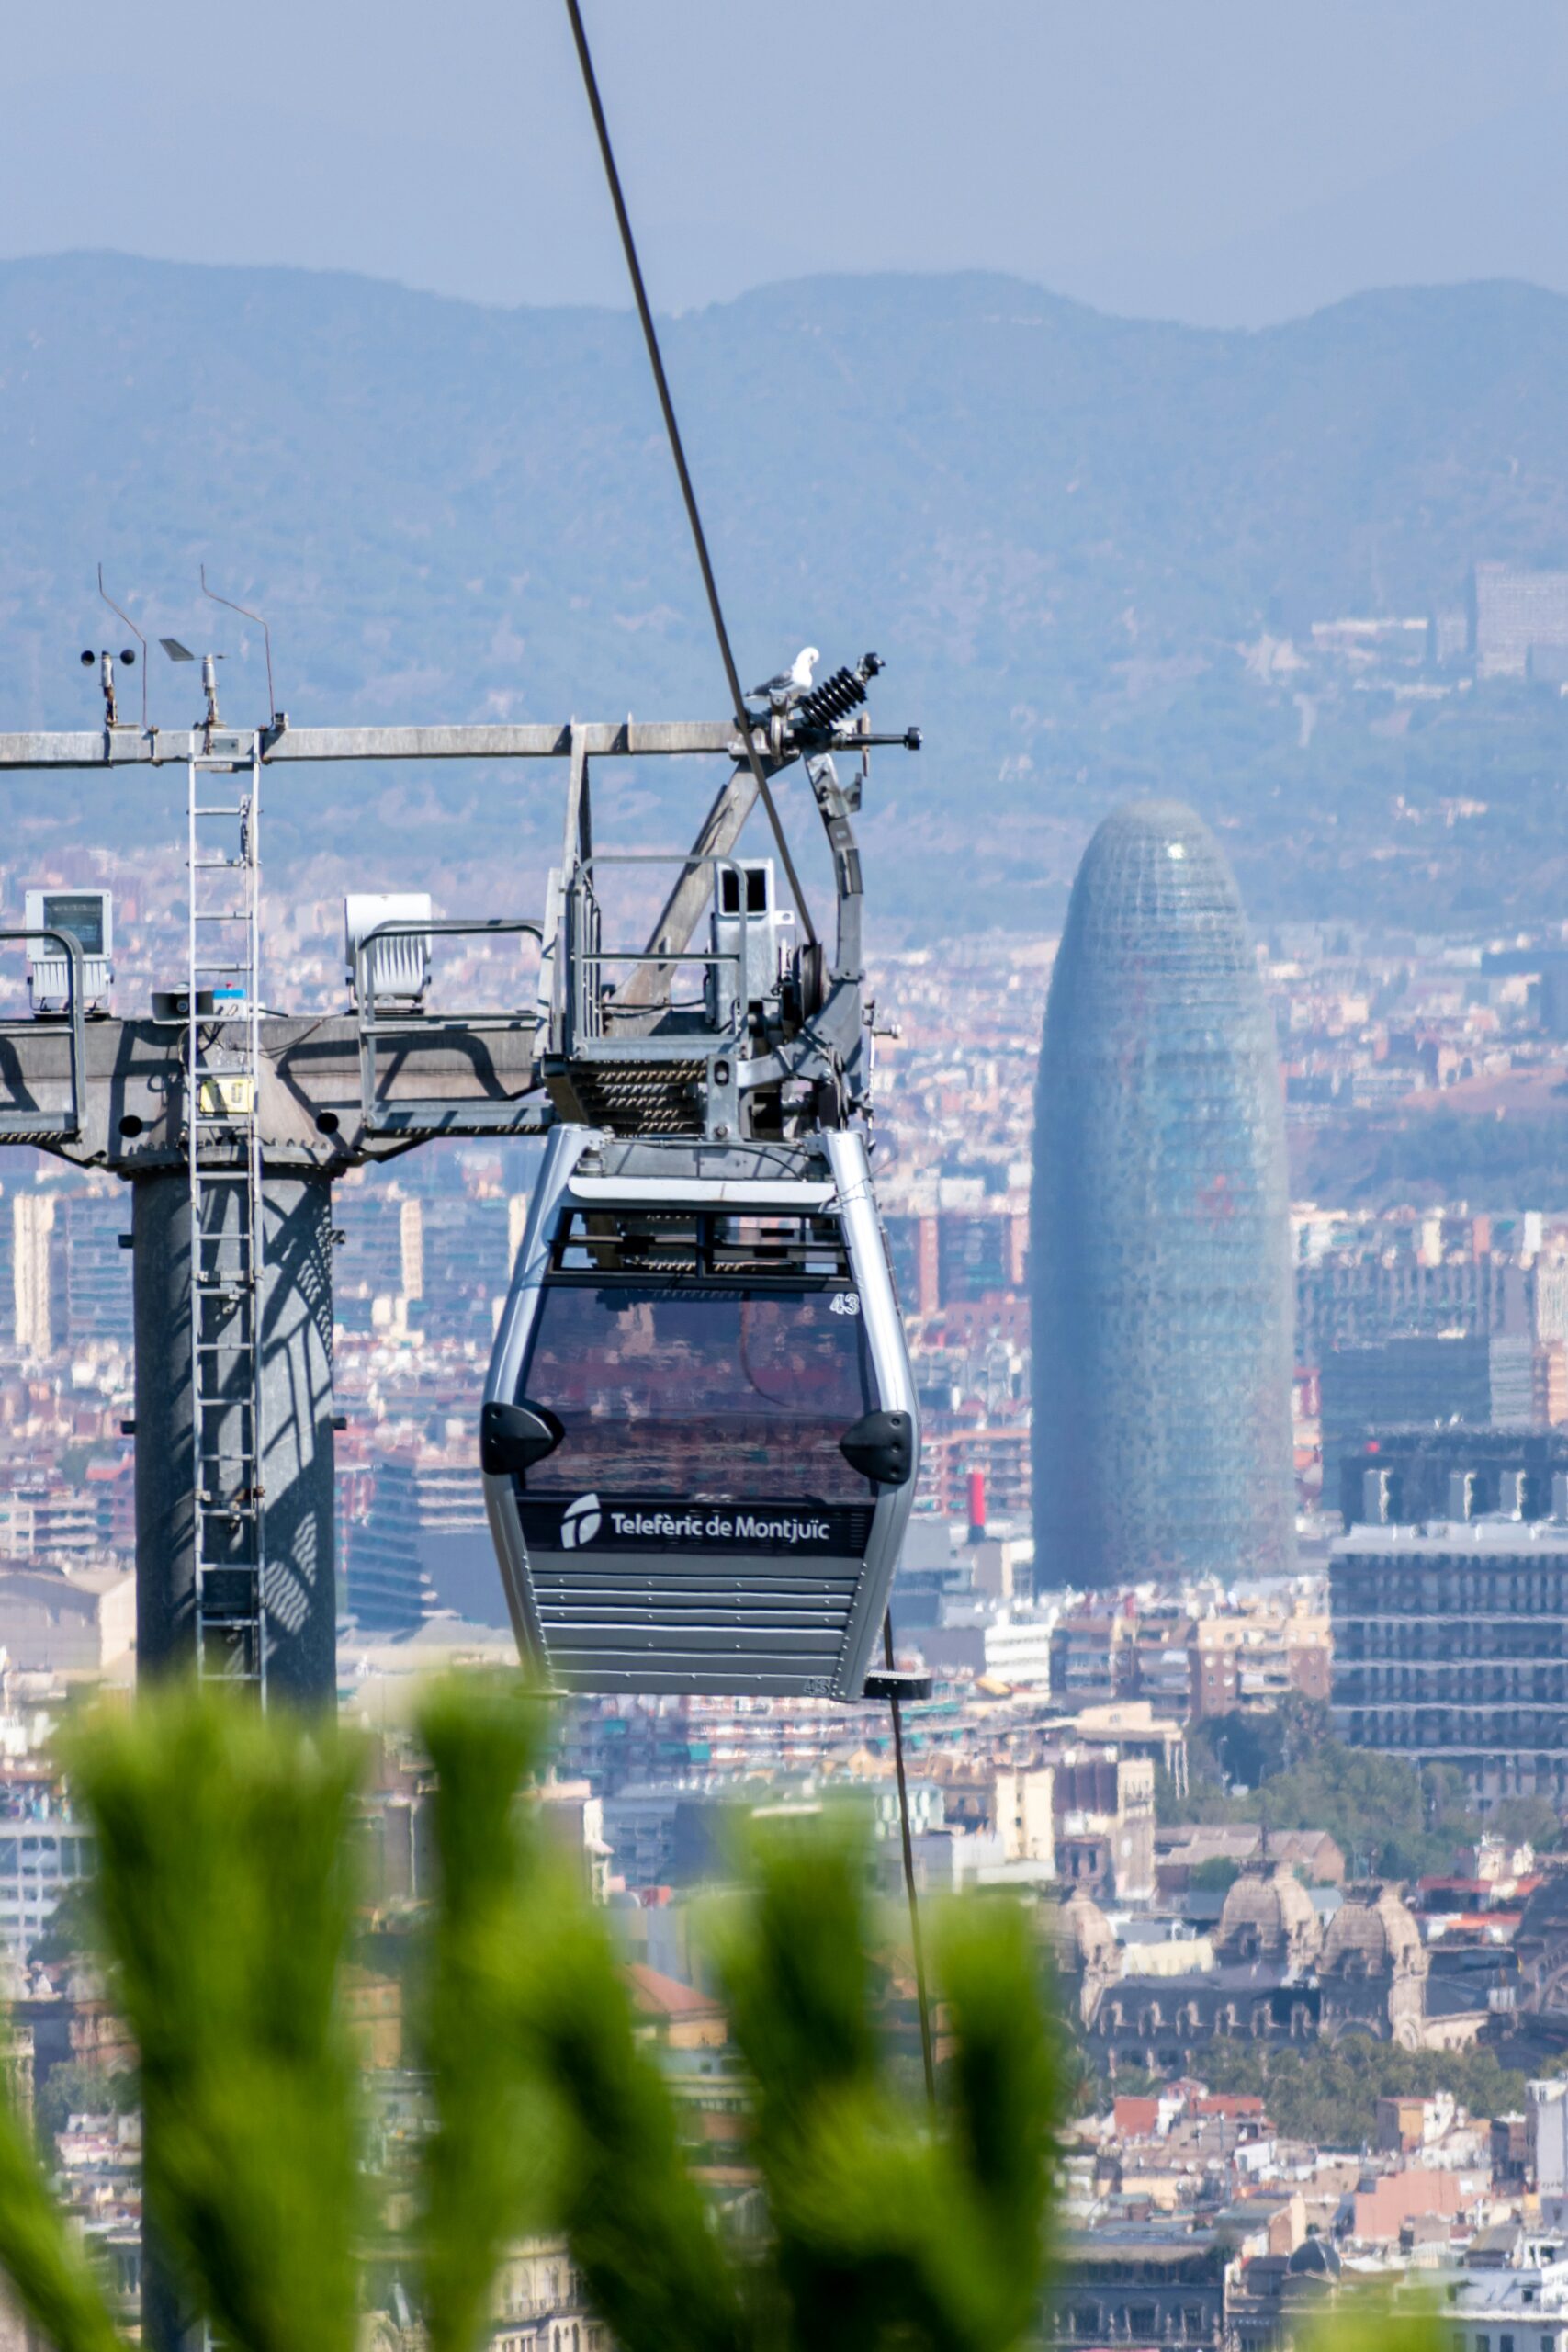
88	917
399	966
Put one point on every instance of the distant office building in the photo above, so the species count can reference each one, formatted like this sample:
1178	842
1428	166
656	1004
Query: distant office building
422	1545
96	1270
1518	621
52	1622
34	1283
1448	637
68	1278
41	1855
40	1519
370	1265
981	1252
411	1247
1413	1382
466	1262
1406	1477
955	1257
1014	1651
933	1570
456	1551
1451	1646
662	1835
437	1259
1160	1237
1354	1301
914	1253
386	1589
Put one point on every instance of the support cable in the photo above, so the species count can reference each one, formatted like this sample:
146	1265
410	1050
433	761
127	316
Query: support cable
677	450
915	1937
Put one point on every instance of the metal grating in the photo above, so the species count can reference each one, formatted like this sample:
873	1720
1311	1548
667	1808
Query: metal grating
614	1620
642	1098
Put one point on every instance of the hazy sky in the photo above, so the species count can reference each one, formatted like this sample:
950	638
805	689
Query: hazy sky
1224	161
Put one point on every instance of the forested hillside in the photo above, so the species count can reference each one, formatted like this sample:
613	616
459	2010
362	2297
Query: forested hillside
1061	529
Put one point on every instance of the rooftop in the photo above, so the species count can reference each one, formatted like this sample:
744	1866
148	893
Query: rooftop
657	1996
1481	1537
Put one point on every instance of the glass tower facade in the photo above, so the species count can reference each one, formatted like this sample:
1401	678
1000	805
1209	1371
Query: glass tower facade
1160	1235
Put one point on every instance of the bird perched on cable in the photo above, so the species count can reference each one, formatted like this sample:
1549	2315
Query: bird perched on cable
790	683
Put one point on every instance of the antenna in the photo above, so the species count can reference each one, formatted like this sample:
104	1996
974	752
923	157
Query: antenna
135	633
272	709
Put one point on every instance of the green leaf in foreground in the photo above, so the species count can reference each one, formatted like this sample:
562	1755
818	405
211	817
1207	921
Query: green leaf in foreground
226	1900
45	2269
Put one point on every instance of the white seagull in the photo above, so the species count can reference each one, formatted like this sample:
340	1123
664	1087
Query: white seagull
796	680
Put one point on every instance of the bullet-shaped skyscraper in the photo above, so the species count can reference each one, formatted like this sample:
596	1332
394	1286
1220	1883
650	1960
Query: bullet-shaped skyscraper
1159	1236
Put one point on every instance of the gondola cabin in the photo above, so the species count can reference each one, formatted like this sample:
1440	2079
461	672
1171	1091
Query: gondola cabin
700	1432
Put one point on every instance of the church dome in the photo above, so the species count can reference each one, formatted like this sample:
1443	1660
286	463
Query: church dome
1268	1915
1373	1936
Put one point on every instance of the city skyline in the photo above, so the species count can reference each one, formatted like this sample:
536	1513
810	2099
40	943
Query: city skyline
842	1329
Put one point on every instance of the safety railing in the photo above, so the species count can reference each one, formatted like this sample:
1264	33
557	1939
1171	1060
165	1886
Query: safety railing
410	1027
18	1121
649	1029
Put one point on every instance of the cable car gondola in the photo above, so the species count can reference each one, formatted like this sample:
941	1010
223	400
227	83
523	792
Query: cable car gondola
699	1435
699	1439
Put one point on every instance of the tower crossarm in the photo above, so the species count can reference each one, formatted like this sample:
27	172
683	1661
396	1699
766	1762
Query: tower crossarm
279	745
467	1081
776	740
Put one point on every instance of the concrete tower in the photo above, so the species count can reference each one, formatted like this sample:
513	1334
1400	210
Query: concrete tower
1160	1237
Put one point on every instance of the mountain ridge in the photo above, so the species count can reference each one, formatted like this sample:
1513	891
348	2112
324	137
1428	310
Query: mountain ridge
1061	528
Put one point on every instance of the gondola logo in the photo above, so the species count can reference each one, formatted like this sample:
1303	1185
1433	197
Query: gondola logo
690	1527
580	1522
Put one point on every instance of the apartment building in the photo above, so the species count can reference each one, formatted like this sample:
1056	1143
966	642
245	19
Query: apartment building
1451	1646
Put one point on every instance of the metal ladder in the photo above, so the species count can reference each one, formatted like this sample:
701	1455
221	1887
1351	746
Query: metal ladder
227	1238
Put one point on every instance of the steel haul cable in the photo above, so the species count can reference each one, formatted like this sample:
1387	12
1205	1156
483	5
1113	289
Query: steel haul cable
677	450
915	1938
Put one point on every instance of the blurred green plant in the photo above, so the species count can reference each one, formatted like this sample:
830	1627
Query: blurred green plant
47	2272
225	1906
482	2167
225	1894
1375	2315
891	2226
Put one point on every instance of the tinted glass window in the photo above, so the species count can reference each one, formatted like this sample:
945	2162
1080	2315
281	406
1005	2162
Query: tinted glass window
83	917
707	1395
